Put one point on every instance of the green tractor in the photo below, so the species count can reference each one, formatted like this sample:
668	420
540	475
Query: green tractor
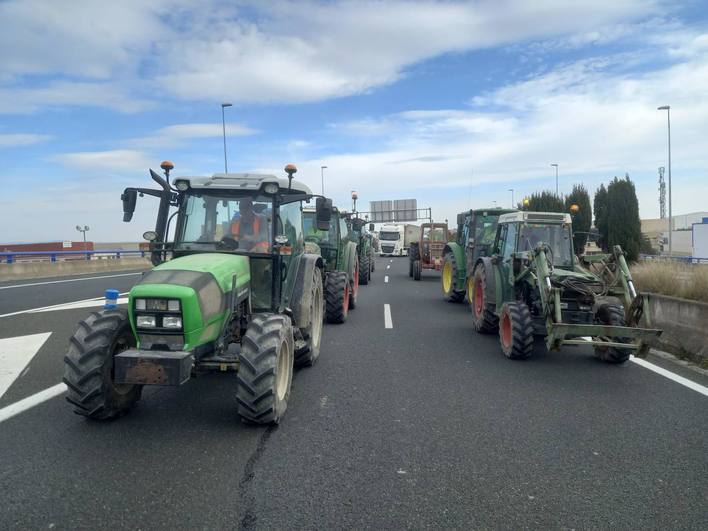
234	291
533	284
341	265
364	247
474	238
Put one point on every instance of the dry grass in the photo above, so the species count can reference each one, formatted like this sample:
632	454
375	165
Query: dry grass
687	281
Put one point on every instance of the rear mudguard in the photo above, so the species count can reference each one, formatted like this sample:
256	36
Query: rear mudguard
300	303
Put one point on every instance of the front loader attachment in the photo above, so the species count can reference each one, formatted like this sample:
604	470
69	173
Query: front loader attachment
625	337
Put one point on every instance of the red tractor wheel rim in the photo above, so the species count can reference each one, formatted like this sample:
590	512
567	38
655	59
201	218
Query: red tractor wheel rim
506	331
478	297
346	298
355	288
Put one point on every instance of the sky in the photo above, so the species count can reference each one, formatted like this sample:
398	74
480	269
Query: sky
451	103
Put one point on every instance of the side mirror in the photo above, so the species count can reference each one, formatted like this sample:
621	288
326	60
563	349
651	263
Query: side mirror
371	227
460	219
150	235
129	197
323	213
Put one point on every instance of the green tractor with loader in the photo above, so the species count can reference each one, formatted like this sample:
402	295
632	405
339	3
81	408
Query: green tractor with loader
364	247
532	284
234	291
476	230
341	264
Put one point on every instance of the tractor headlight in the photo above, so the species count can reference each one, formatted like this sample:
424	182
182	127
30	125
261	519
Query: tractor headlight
271	188
170	321
145	321
140	304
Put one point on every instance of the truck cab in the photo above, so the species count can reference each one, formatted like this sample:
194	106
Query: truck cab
392	240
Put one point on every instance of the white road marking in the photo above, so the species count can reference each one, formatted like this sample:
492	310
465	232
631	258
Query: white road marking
388	322
68	280
15	355
85	303
386	278
388	267
671	376
31	401
391	260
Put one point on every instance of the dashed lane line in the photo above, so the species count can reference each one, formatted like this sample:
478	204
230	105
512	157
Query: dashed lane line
388	322
388	267
68	280
386	279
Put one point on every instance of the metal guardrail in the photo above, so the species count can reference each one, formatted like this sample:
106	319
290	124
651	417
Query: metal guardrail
14	256
665	258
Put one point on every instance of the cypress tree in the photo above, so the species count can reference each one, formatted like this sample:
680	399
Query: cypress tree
623	224
582	219
600	208
544	202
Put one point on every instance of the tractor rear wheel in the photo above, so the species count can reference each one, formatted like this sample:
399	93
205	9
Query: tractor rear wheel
372	260
612	315
265	369
417	269
364	270
88	366
516	331
484	319
336	297
411	267
449	279
354	289
313	332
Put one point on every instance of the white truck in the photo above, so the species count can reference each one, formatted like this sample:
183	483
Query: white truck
394	238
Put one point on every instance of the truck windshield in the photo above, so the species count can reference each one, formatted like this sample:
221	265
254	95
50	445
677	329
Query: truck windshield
557	237
211	222
389	236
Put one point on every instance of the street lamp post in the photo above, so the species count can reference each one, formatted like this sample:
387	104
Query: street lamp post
322	169
223	125
83	232
556	167
512	197
667	108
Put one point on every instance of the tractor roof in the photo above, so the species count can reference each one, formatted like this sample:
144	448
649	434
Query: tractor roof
243	181
535	217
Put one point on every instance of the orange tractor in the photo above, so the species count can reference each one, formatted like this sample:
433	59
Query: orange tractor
427	252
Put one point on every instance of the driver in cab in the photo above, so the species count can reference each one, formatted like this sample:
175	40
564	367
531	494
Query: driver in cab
250	229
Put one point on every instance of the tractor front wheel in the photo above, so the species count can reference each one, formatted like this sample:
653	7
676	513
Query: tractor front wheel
336	297
484	319
265	369
417	269
516	331
313	332
448	279
612	315
88	366
364	270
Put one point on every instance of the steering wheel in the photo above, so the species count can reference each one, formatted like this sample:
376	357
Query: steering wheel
227	242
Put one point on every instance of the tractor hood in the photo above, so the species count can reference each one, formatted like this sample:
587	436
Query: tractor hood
561	274
203	283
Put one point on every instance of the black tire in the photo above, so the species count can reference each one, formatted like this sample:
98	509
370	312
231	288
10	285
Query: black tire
88	366
516	331
313	332
613	315
484	320
411	267
336	297
372	260
265	369
449	292
417	269
364	270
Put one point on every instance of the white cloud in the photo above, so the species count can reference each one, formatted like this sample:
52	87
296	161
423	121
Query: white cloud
103	163
261	52
178	134
21	139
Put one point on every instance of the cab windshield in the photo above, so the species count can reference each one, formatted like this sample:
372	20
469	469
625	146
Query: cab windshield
389	236
434	234
312	233
211	222
557	237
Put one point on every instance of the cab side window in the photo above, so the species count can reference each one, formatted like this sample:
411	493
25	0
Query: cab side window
343	228
509	241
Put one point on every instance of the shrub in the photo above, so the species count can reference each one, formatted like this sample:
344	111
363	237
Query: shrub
686	281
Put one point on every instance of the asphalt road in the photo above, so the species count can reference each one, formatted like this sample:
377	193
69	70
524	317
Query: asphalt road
424	424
